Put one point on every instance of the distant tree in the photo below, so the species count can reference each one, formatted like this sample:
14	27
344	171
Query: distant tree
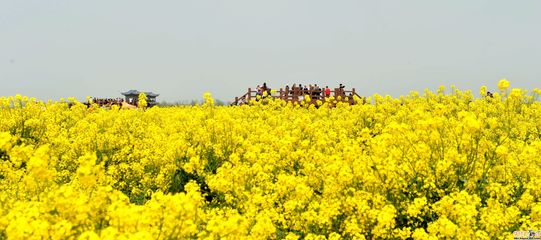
192	102
219	102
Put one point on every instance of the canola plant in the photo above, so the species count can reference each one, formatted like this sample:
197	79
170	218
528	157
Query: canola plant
423	166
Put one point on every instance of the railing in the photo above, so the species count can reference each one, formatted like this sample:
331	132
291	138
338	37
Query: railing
297	95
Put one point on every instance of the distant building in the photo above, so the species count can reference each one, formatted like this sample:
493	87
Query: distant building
132	97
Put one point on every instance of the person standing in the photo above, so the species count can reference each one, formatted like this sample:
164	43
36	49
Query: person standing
259	91
327	91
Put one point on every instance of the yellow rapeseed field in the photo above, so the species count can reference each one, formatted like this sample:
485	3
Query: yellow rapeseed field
428	165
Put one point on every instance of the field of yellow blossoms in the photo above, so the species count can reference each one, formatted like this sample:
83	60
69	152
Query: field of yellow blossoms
442	164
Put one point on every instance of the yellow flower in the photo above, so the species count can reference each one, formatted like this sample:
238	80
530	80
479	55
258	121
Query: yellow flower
516	94
503	85
142	100
483	91
418	204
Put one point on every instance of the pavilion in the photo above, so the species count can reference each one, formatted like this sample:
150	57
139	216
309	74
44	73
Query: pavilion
132	97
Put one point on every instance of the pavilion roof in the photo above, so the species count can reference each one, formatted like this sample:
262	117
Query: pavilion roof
135	92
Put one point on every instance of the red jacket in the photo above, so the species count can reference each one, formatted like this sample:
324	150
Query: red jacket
327	91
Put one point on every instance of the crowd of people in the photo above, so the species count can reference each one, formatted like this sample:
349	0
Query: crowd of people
108	101
260	90
313	90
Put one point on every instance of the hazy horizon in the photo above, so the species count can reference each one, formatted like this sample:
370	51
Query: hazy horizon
181	49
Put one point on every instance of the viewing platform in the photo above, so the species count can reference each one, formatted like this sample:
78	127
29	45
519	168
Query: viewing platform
298	95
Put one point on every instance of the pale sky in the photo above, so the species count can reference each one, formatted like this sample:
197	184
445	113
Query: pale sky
181	49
